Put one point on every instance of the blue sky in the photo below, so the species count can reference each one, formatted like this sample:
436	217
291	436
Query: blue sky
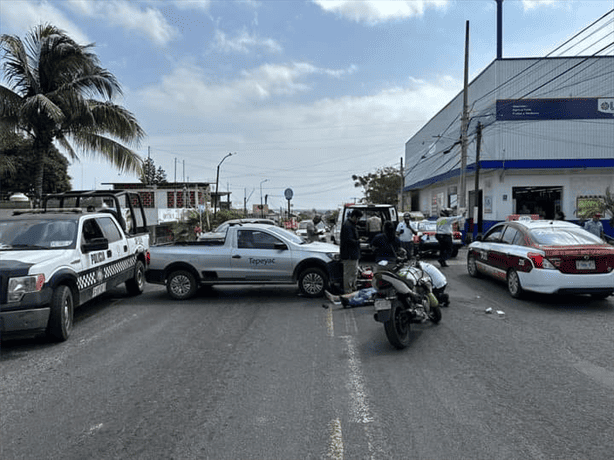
306	93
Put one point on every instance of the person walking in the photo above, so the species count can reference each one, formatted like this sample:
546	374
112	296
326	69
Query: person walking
444	234
349	250
594	225
386	245
406	234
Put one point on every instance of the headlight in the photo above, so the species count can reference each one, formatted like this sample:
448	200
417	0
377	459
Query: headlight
19	286
333	255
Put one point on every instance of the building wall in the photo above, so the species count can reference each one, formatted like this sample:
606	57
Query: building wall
577	155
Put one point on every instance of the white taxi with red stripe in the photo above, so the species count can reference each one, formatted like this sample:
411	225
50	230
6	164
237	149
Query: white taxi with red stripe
544	256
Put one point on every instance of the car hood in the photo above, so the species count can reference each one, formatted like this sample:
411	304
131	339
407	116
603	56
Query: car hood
319	246
33	256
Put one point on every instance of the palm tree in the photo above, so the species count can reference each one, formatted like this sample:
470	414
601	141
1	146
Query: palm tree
59	93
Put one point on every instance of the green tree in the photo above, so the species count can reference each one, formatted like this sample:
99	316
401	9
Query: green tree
57	91
150	175
15	151
381	187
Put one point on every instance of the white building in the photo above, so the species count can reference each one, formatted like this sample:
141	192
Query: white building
547	141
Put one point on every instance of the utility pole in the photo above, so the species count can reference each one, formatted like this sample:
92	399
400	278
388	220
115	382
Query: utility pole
464	124
402	187
478	192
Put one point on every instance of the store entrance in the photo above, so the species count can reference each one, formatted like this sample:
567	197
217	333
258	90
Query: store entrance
544	201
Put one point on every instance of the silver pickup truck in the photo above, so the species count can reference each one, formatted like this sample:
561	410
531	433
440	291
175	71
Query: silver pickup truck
250	254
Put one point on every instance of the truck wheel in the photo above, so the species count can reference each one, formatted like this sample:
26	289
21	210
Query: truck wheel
312	282
136	284
181	285
61	316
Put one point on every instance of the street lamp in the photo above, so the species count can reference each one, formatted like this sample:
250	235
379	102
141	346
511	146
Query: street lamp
261	206
217	178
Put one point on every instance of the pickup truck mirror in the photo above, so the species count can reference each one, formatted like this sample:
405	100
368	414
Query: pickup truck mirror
280	246
95	244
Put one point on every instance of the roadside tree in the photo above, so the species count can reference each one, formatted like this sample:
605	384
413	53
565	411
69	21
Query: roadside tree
383	186
57	91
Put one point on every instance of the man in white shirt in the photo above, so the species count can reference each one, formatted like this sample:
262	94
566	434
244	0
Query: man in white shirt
406	235
444	234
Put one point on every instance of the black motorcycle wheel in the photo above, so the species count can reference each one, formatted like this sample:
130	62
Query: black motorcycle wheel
397	327
435	314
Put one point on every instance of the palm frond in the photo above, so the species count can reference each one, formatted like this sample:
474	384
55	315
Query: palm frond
118	155
34	107
10	104
72	155
117	121
18	70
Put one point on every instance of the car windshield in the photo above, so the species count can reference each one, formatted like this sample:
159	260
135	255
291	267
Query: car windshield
37	234
553	236
223	228
293	237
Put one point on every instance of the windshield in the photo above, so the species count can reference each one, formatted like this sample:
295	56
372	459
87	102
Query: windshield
287	235
427	226
553	236
37	234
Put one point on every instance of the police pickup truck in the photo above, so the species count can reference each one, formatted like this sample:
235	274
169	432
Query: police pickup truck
250	254
54	260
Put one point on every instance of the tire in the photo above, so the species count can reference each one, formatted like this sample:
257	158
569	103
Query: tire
61	316
601	296
472	267
513	284
397	327
136	285
312	282
435	314
181	285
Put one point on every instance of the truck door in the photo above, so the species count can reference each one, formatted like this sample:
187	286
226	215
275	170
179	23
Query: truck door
260	255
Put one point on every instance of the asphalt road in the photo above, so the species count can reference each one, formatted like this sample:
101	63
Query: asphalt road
262	373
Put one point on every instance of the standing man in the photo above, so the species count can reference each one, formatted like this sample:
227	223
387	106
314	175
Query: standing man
594	225
444	234
312	229
406	235
349	250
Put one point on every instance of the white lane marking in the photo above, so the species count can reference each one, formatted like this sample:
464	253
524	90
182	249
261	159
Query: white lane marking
335	450
361	412
329	323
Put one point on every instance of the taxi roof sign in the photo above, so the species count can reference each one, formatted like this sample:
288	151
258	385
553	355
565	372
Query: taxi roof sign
522	217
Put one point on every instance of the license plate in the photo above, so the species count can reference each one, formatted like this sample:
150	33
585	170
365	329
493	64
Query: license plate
382	304
585	264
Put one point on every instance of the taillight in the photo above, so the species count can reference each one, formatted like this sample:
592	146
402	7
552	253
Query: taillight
539	261
147	257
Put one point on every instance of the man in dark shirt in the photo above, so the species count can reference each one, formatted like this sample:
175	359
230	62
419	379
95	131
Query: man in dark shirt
386	245
349	250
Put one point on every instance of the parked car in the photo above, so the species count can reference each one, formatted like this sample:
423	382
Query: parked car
427	241
320	229
220	232
544	256
382	212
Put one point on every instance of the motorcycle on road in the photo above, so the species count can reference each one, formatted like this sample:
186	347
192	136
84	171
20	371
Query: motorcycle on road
405	295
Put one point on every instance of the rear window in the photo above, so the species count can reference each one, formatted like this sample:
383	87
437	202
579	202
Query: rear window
563	236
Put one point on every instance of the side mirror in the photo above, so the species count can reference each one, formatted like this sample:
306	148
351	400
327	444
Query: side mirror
96	244
280	246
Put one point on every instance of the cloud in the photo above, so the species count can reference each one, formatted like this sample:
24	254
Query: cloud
534	4
192	4
187	90
149	22
376	11
243	43
19	16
